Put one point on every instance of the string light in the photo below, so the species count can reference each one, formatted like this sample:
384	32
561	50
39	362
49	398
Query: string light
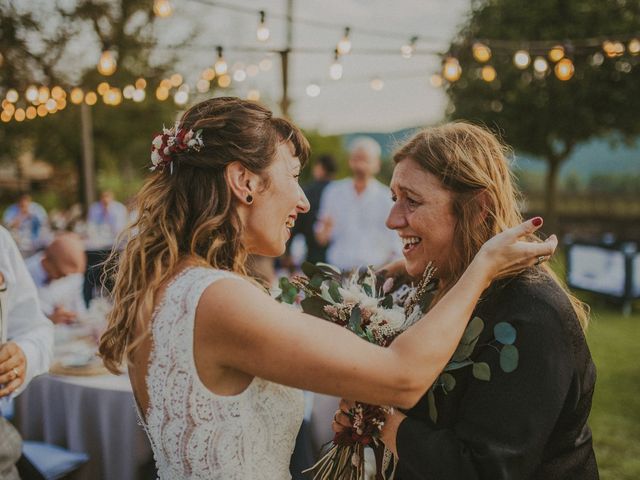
113	97
103	88
77	96
613	49
208	74
176	80
203	85
435	80
335	70
162	8
224	81
107	64
141	83
181	98
521	59
488	73
51	105
9	108
253	95
634	46
220	66
43	94
31	112
408	48
12	95
61	103
564	69
344	45
240	75
139	95
58	93
127	92
90	98
481	52
253	70
162	93
540	65
32	93
597	59
42	111
265	64
262	33
556	53
19	115
5	117
313	90
377	84
451	69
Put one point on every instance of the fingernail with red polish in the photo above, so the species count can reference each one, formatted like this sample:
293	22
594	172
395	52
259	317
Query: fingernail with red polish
537	221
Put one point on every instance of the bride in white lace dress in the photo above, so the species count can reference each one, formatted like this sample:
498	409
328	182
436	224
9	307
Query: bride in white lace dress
214	362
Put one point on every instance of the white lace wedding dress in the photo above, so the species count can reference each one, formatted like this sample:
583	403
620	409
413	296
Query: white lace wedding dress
196	434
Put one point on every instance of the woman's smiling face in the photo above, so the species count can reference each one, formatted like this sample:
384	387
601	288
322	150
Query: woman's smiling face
423	216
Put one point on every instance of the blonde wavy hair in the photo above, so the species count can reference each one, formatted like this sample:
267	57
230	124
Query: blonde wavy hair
190	213
472	163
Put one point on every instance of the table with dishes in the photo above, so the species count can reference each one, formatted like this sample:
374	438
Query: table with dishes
81	407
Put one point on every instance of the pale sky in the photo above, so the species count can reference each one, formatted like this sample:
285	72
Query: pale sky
406	100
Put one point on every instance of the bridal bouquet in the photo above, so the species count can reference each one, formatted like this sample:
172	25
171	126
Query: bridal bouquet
372	312
378	311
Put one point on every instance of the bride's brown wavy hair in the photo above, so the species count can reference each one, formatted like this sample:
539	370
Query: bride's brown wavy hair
471	162
190	213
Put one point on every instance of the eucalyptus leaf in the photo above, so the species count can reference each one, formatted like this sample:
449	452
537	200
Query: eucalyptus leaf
448	381
355	320
473	331
309	269
367	289
314	306
463	352
505	333
482	371
431	402
509	358
335	292
457	365
316	281
387	302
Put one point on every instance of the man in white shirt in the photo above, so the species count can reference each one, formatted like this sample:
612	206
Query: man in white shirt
105	220
58	273
29	348
353	212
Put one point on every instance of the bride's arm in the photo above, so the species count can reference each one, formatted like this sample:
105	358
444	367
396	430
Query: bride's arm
250	332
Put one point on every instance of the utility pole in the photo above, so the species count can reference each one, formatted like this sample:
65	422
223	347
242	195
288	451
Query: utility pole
284	60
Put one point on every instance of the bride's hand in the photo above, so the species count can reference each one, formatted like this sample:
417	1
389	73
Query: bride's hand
507	253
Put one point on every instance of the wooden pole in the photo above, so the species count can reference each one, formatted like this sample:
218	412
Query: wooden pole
284	61
88	161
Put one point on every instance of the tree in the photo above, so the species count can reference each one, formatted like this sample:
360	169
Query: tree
538	113
121	133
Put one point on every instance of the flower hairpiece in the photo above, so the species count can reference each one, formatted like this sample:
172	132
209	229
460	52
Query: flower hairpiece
170	141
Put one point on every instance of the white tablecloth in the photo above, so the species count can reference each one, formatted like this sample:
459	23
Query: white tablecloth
94	415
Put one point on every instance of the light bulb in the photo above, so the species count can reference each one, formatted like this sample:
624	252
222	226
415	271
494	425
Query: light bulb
313	90
162	8
521	59
203	85
240	75
335	71
407	49
262	34
253	95
224	81
377	84
181	98
32	93
127	92
564	69
139	95
540	65
435	80
481	52
488	73
12	95
220	66
77	96
451	69
162	93
556	53
344	45
31	112
90	99
634	46
107	64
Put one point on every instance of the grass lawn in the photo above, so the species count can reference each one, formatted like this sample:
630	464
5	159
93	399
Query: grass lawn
615	418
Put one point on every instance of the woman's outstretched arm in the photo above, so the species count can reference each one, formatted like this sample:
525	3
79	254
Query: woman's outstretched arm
250	332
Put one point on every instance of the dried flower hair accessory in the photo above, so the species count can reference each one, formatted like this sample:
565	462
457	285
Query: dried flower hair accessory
170	141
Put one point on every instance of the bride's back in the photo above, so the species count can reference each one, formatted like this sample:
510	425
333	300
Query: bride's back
194	432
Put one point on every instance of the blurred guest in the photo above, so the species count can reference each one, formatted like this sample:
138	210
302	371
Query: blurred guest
353	212
29	349
58	273
27	221
105	220
323	172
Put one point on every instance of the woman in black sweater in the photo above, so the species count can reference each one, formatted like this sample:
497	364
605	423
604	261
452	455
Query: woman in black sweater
452	190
